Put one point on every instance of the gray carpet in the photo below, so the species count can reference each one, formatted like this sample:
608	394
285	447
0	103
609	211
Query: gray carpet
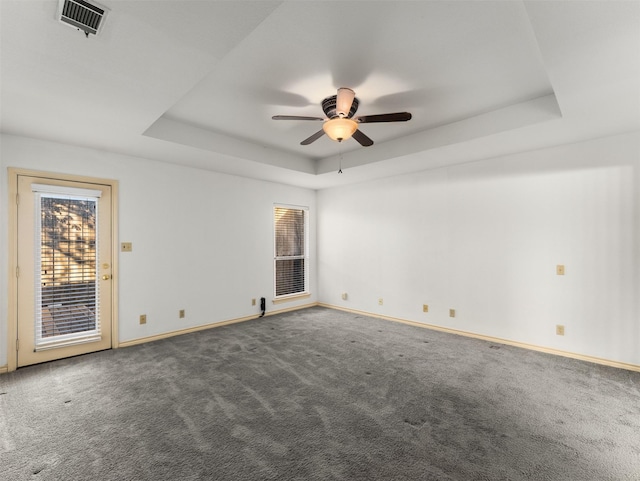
320	394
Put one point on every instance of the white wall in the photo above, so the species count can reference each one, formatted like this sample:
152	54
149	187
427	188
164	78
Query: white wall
202	241
485	238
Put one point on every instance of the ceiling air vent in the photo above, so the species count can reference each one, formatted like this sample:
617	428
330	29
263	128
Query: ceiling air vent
82	15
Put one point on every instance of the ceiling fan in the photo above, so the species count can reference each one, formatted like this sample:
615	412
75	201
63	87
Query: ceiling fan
340	124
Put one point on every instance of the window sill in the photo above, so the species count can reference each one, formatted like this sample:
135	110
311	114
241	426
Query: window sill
292	297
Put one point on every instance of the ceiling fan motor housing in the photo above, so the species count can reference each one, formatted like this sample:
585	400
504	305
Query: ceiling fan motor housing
329	107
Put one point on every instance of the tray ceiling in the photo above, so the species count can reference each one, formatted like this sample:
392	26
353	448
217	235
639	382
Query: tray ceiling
197	82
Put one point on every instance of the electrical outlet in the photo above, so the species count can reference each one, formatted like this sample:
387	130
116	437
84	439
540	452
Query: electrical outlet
344	296
380	301
560	330
425	307
253	301
143	319
181	314
452	313
560	270
126	247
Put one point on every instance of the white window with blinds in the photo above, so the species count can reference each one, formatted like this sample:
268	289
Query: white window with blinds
291	258
66	290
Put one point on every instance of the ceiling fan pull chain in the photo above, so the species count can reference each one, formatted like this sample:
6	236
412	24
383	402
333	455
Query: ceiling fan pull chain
340	163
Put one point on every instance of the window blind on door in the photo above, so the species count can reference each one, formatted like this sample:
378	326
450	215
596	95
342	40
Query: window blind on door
66	252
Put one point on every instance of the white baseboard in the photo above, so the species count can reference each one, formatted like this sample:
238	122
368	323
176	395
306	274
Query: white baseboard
532	347
523	345
203	327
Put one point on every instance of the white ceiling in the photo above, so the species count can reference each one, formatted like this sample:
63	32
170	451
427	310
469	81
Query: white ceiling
196	82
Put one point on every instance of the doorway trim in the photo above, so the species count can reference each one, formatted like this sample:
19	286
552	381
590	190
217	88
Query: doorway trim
12	311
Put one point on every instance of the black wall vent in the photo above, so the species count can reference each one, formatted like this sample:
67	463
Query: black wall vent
82	15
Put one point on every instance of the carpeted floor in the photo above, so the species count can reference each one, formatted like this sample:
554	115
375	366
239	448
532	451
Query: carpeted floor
320	394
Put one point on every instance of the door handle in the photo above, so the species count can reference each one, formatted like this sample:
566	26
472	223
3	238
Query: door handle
106	277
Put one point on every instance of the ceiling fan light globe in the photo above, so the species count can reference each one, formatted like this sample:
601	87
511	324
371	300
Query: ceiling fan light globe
344	99
340	129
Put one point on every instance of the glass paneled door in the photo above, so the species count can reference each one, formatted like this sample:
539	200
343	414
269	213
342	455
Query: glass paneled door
64	269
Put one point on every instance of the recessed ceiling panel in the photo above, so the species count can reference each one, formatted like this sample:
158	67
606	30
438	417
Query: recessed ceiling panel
441	61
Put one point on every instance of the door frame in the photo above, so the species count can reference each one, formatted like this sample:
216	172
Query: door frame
12	314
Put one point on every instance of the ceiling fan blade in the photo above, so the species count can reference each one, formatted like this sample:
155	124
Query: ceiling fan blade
313	138
294	117
344	100
362	139
395	117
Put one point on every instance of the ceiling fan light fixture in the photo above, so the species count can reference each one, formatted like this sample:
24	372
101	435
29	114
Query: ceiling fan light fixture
340	129
344	99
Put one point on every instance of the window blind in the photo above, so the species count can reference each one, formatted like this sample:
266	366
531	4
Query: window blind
66	253
290	250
